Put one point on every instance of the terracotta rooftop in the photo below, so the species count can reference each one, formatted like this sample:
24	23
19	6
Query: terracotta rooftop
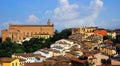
89	55
34	64
7	60
27	55
78	60
57	61
59	58
115	62
50	62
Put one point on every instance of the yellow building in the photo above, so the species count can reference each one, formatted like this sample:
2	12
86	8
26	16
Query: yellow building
46	36
109	50
9	62
87	31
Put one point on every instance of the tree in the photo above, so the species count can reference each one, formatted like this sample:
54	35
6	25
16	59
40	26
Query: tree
19	51
117	40
56	36
7	48
64	34
108	37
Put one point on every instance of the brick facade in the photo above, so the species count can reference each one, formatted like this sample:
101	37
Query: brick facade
20	32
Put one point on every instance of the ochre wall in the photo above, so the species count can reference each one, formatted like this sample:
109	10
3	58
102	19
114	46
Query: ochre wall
19	32
4	35
16	61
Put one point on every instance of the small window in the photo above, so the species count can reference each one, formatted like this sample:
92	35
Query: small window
27	33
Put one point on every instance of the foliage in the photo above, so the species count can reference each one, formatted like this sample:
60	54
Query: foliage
117	40
36	44
64	34
108	37
8	47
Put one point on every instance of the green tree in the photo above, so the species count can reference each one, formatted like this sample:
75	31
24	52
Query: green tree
56	36
19	50
108	37
64	34
7	48
117	40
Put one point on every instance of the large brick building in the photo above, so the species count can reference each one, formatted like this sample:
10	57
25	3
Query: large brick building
20	32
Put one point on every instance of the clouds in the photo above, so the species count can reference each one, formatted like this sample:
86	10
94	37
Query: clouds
65	11
68	15
32	19
5	25
97	3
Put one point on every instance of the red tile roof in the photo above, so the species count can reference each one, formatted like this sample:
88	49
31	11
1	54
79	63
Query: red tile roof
7	60
34	64
78	60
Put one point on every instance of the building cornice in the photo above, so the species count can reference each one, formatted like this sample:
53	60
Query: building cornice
15	25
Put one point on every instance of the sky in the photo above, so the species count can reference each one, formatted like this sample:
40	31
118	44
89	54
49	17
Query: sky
62	13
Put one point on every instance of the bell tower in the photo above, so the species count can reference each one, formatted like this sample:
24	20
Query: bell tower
48	22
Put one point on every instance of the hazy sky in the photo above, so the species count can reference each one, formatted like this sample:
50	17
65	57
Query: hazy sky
63	13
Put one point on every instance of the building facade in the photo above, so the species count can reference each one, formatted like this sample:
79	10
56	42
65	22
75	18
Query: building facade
21	32
9	62
84	30
107	49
